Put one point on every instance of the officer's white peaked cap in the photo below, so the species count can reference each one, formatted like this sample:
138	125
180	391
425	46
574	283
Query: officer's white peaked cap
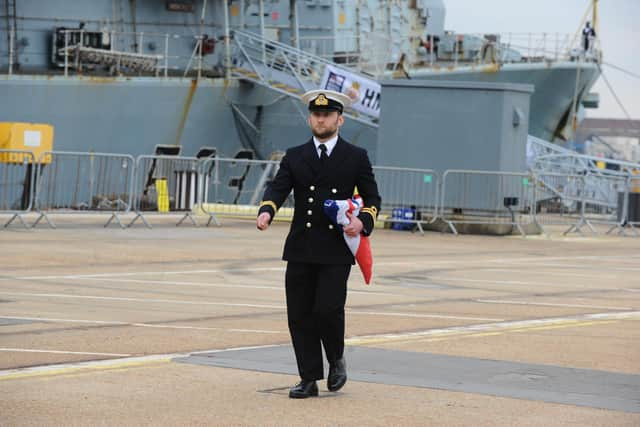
322	99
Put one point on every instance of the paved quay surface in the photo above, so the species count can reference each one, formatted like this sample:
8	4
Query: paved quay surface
187	326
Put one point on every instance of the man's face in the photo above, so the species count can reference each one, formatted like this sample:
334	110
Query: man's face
325	124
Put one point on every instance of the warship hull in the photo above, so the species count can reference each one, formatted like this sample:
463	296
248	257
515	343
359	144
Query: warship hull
133	114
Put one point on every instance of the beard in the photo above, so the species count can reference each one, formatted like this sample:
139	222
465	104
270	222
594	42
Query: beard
325	134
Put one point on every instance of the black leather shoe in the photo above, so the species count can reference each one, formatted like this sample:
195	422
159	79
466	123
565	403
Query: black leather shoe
337	375
303	389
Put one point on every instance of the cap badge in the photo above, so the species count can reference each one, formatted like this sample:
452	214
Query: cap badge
321	100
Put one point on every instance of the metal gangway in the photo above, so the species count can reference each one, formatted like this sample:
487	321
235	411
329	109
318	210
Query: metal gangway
282	68
582	184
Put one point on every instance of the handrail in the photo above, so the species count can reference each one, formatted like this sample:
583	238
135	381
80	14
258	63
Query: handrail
282	68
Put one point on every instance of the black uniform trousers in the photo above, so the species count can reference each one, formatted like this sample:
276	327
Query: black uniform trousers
316	295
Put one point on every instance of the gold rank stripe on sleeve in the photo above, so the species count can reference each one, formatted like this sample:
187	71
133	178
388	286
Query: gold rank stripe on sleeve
372	210
269	203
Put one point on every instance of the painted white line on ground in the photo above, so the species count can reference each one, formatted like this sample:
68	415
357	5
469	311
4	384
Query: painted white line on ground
64	368
148	300
142	325
420	261
488	327
147	273
180	283
33	350
534	259
204	328
178	272
351	310
542	283
49	319
219	285
530	259
591	267
427	316
549	304
537	271
505	282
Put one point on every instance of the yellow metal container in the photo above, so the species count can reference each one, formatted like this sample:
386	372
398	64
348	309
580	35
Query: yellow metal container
33	137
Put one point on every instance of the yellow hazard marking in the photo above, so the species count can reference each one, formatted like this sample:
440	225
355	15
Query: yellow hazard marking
84	368
485	334
471	334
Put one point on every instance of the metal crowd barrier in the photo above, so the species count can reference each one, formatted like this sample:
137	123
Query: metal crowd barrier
166	185
17	172
234	187
69	182
487	197
604	201
409	196
558	198
579	200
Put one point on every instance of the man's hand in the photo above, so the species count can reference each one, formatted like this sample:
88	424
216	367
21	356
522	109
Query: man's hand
355	226
263	220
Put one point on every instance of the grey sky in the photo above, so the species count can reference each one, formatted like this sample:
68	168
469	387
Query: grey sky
619	32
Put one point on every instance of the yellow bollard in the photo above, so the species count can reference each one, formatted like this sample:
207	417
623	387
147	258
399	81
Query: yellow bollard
163	195
635	182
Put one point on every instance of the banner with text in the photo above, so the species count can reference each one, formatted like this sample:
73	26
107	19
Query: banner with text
364	93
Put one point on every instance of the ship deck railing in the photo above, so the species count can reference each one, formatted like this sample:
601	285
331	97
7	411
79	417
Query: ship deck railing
140	53
375	54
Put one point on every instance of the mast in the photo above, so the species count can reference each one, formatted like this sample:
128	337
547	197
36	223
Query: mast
293	22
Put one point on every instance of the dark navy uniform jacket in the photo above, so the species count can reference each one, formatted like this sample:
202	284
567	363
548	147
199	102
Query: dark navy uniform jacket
312	238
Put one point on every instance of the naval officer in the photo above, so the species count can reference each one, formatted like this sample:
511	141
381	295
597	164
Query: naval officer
318	259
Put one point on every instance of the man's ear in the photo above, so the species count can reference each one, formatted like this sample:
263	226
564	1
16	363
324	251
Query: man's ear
340	120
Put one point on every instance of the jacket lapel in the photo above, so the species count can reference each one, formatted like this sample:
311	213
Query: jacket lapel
338	156
311	157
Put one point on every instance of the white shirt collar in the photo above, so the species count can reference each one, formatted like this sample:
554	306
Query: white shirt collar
330	144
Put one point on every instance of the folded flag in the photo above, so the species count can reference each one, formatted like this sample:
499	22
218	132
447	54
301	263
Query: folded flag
339	212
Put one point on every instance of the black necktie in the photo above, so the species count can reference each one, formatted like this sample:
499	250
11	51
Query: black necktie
324	158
